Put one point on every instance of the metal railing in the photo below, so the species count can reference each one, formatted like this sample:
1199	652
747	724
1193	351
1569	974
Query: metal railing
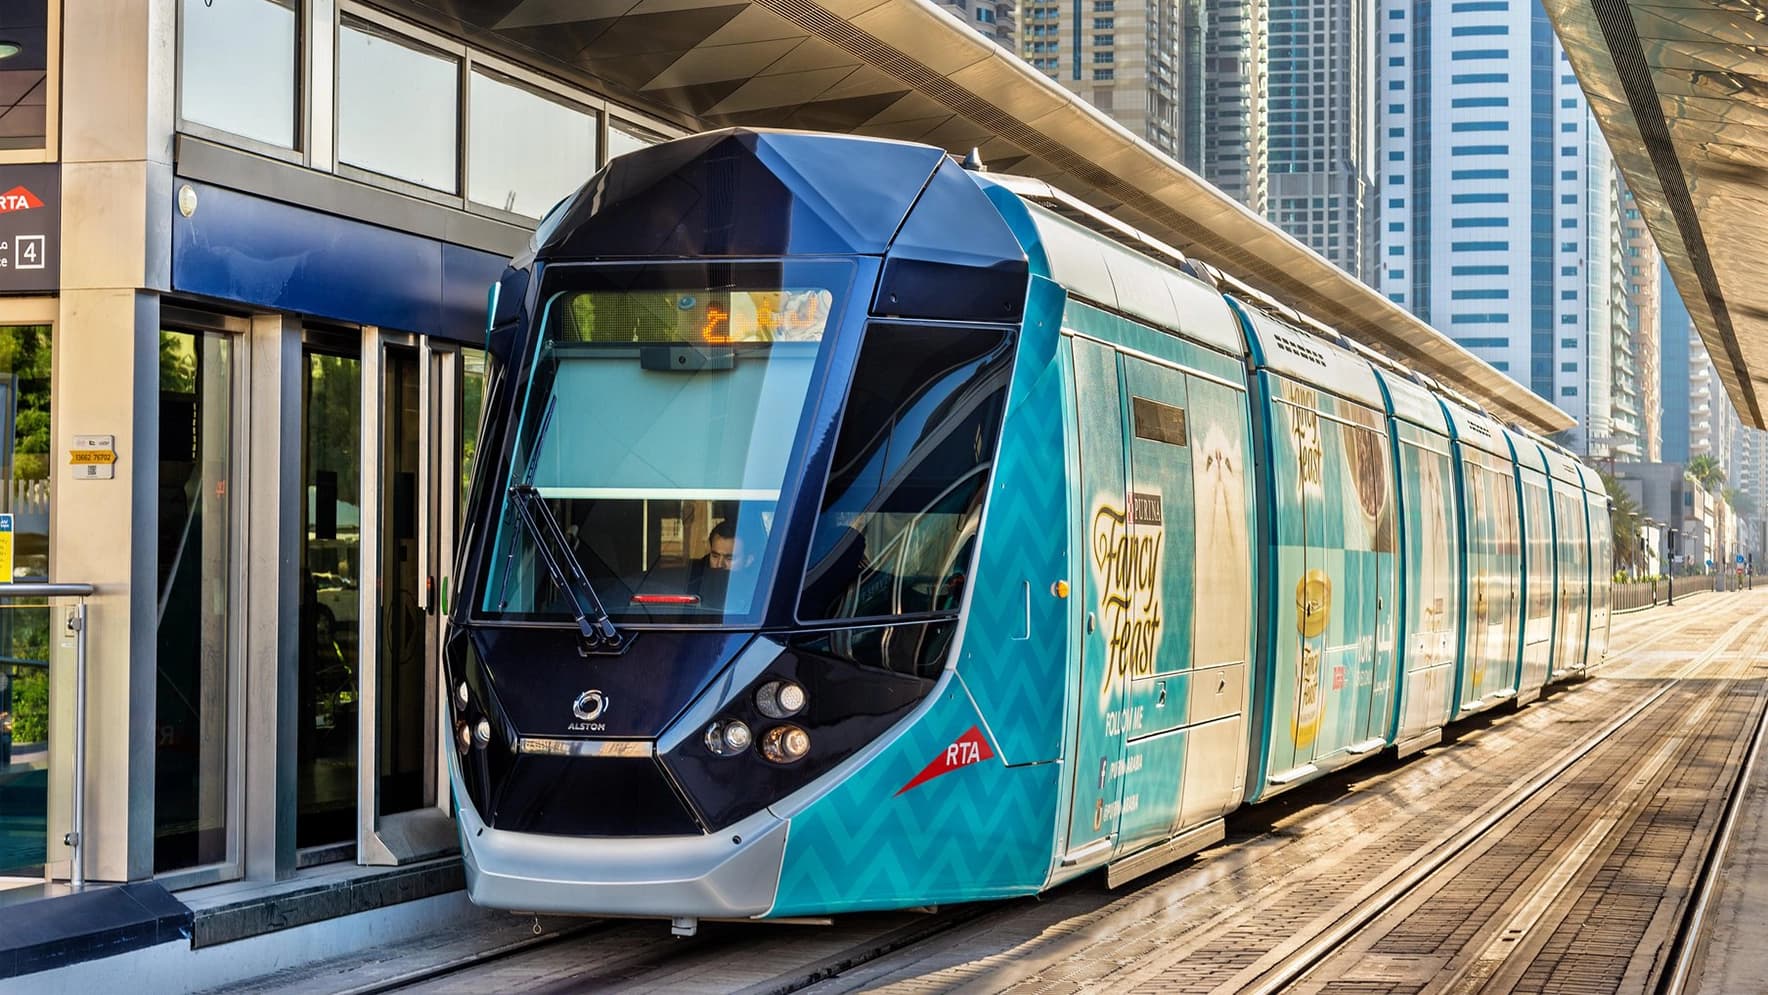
75	838
1644	594
1636	594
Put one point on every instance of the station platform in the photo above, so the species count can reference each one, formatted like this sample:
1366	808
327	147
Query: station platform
1611	837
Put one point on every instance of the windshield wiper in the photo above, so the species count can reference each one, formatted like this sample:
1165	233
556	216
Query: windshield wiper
595	630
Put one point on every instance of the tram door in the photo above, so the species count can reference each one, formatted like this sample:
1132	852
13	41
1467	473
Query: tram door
1375	496
1150	613
1100	510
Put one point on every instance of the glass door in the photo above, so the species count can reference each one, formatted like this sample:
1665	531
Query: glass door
403	697
194	760
404	797
331	571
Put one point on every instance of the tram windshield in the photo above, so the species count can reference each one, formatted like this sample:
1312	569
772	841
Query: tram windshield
664	403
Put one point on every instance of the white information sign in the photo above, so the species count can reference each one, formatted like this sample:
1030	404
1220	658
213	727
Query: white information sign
94	457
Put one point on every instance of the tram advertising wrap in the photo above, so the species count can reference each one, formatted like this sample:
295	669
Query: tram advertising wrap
854	530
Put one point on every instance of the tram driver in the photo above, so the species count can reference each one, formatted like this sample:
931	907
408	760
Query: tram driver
728	551
723	549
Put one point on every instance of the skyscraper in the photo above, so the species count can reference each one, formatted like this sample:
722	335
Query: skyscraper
1748	471
1712	421
1641	280
1124	59
1676	338
1497	199
997	20
1321	146
1229	145
1267	99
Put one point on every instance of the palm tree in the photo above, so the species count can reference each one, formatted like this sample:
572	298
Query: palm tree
1623	523
1706	471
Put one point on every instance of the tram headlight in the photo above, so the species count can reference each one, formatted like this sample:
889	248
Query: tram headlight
463	737
779	699
482	733
785	744
460	696
728	738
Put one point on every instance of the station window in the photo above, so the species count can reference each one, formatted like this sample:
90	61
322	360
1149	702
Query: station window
398	107
525	151
25	631
236	68
622	139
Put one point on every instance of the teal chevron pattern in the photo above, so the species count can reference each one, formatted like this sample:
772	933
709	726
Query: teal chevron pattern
1009	666
982	831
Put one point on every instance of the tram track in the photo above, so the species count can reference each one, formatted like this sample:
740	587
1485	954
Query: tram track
613	955
1687	944
1224	924
1589	826
1246	916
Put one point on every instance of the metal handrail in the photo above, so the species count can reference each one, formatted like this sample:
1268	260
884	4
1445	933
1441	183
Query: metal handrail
75	838
45	589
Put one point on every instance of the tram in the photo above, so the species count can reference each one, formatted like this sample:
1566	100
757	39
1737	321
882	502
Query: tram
856	530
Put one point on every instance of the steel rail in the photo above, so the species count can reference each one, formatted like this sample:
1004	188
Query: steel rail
1687	945
478	958
1325	943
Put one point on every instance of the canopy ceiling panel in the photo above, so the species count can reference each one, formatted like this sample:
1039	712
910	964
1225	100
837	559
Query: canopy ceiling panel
907	69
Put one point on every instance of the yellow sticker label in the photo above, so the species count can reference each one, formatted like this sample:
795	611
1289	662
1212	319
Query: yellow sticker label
80	457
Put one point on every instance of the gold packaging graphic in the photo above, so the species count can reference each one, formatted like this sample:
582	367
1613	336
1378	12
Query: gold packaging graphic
1313	603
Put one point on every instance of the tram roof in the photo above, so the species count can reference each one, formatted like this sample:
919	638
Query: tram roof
1680	89
907	69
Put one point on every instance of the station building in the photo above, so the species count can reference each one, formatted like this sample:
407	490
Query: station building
265	232
244	253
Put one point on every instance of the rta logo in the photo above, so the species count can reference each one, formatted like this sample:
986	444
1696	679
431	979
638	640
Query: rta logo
18	199
589	705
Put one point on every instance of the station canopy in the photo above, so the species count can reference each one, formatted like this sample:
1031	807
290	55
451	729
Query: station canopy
907	69
1680	89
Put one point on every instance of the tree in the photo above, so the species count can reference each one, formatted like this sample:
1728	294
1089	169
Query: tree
1742	503
1624	518
1706	471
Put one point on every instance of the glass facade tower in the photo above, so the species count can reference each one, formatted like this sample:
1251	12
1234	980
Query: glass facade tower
1498	200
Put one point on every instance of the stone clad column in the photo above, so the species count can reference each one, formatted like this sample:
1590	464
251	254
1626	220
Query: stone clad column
116	149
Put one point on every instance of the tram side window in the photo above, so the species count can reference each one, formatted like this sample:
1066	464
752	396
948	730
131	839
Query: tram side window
897	529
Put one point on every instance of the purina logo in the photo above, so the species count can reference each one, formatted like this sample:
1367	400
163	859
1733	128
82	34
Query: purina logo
18	199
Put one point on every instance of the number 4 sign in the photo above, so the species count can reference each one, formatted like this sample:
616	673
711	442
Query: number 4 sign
30	227
27	252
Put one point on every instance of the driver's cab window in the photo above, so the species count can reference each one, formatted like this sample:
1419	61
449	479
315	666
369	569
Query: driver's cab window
656	437
903	504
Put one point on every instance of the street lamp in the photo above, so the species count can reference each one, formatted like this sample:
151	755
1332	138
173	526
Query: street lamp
1670	549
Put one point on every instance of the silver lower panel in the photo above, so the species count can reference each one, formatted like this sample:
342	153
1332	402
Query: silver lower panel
702	876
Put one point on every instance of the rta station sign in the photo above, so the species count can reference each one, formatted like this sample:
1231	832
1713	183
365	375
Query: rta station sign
30	228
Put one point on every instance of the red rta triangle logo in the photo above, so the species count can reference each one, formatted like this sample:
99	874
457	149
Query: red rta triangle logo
18	199
970	748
